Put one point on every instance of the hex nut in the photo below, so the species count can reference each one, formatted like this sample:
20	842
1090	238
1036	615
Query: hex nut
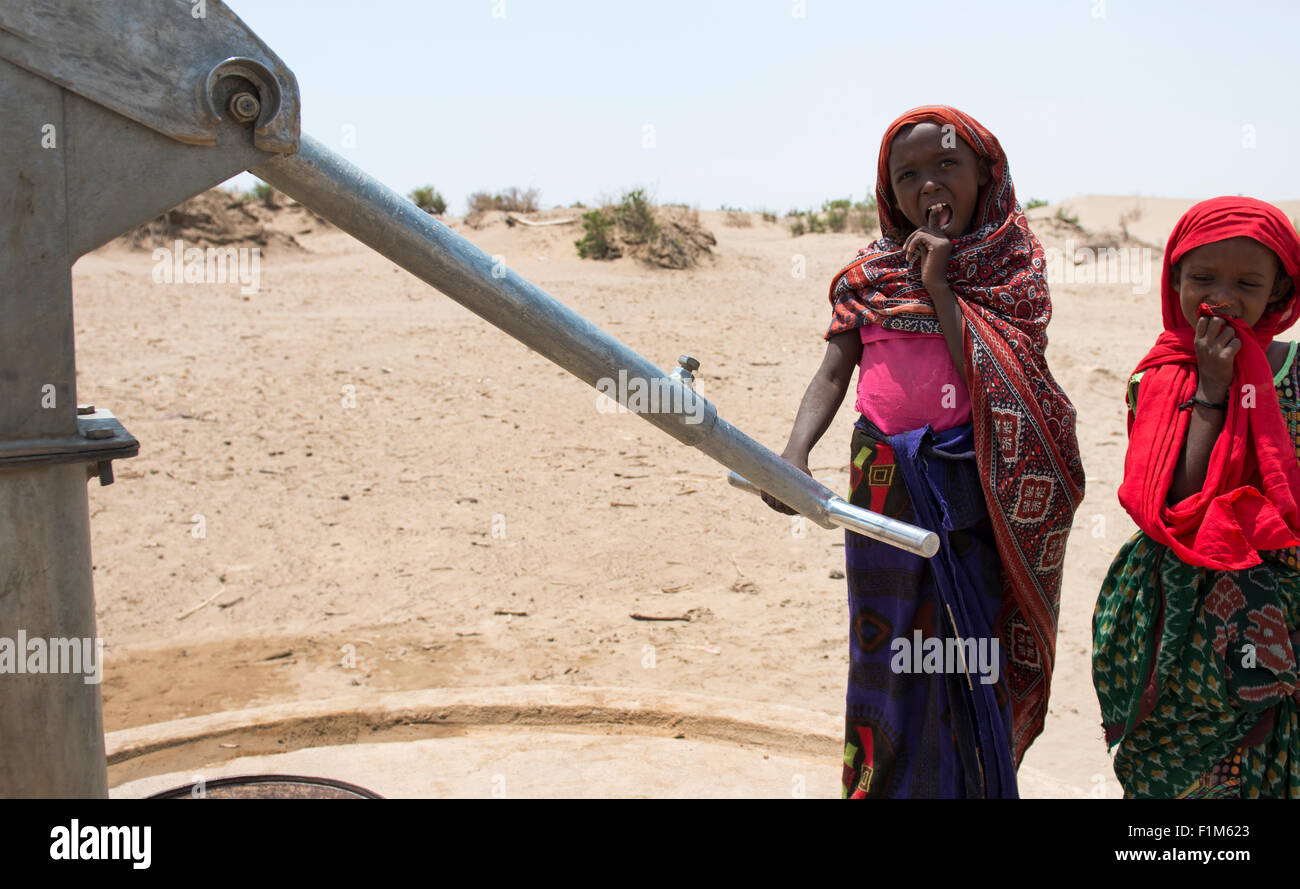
244	107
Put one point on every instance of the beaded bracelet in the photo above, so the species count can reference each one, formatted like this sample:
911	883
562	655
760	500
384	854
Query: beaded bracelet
1187	405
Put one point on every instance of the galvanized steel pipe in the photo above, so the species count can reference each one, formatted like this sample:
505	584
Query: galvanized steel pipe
384	220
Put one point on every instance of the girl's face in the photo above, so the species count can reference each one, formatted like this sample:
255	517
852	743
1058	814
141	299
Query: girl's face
1238	277
936	175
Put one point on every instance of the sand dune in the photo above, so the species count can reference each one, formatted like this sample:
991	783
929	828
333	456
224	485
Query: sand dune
1148	219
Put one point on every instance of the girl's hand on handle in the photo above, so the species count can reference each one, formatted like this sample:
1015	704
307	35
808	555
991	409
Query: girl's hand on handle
799	463
820	401
1217	346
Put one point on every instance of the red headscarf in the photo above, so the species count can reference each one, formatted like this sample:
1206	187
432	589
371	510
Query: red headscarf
1025	443
1252	485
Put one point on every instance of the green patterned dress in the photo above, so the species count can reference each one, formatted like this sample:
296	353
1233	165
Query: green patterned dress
1196	669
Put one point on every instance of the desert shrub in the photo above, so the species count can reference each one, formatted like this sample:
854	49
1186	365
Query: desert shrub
1131	216
864	216
1069	218
837	213
595	242
1034	203
768	215
635	217
262	192
511	200
669	236
520	201
737	218
429	199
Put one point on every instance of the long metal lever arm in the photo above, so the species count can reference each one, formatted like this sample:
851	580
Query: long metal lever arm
384	220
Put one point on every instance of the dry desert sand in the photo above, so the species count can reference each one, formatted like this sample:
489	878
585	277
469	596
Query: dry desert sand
472	479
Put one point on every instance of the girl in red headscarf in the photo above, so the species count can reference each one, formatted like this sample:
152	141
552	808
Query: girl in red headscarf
1196	629
962	431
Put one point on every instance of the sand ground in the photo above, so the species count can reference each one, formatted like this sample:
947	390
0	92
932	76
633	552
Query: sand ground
371	488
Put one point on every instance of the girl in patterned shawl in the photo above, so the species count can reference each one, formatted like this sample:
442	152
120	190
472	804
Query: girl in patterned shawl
964	432
1196	630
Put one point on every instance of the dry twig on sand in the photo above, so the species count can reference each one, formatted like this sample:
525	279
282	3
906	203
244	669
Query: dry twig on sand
201	605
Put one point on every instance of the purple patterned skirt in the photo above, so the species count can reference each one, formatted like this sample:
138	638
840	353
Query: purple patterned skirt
928	714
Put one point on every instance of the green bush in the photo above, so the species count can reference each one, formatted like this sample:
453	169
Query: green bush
668	236
837	214
635	217
429	200
865	216
1035	202
595	241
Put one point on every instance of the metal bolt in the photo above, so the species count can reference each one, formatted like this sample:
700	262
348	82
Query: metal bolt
83	409
98	432
682	373
244	107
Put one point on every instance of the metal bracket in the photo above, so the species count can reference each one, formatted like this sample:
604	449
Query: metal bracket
100	440
154	62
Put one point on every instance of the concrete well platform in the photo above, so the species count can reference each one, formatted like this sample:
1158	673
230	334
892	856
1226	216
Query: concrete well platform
504	742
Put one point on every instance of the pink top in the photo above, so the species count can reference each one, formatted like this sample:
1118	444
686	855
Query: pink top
907	380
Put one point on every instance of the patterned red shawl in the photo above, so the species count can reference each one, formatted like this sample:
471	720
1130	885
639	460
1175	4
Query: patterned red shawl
1025	445
1252	485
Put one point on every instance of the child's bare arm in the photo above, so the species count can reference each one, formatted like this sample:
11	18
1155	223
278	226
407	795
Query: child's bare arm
820	401
954	325
1217	346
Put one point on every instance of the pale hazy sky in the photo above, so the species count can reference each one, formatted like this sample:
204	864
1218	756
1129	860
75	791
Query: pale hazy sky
781	103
